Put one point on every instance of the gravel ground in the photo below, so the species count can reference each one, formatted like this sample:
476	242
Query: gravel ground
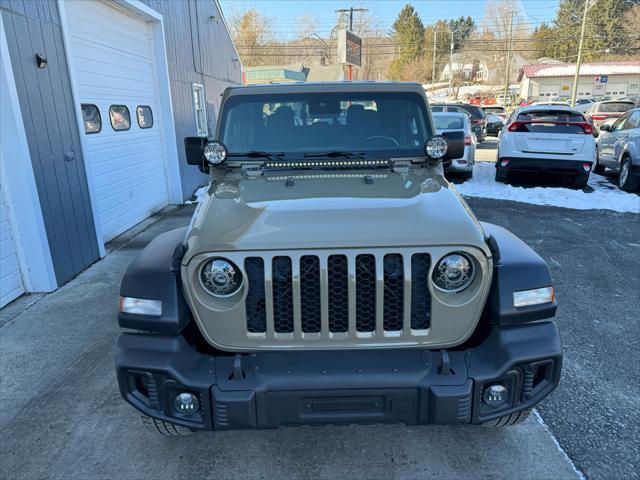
594	258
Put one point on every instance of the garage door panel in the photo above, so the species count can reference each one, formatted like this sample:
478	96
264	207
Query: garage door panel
113	56
11	284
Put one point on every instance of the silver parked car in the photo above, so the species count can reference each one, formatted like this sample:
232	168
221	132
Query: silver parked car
458	122
619	149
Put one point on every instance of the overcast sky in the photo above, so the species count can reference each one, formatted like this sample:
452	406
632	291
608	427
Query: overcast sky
284	13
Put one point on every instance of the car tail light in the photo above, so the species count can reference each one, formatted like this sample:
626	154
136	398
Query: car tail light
586	167
477	121
515	126
467	140
504	163
598	117
586	126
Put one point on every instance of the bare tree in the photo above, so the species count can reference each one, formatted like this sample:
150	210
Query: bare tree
252	32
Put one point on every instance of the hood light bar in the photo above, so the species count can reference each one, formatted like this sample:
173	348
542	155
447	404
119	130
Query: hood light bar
328	163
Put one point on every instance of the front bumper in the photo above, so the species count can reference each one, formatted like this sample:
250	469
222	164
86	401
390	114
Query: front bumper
542	165
267	390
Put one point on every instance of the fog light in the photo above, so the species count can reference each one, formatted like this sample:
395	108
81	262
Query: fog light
586	167
186	403
504	163
495	395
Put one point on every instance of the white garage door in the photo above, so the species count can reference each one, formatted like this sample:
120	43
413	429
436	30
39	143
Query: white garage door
11	285
111	56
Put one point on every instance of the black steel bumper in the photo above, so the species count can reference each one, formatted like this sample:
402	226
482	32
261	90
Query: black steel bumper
541	165
270	389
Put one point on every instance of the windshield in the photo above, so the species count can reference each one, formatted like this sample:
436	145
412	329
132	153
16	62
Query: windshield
371	124
448	122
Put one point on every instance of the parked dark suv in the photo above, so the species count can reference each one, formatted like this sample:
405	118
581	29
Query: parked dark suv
478	117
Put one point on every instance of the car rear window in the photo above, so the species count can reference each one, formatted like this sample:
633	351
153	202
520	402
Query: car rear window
493	110
615	107
549	121
437	109
448	122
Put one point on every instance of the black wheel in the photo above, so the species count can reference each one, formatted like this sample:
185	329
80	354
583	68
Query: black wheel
508	420
580	181
165	428
501	176
597	168
626	180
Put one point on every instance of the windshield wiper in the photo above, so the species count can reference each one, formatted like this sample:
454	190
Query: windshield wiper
259	154
337	154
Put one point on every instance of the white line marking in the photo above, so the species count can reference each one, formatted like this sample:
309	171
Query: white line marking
560	449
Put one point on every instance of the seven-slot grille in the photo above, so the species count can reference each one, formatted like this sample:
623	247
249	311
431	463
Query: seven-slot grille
362	295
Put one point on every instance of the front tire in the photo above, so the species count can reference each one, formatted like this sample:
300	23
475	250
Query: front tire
165	428
508	420
626	180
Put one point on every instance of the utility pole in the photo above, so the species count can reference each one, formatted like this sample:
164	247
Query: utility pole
433	60
508	66
576	77
451	66
350	11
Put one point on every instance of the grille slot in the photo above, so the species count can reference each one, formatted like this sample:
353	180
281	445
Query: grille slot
420	294
282	295
338	278
393	292
255	301
354	294
365	293
310	293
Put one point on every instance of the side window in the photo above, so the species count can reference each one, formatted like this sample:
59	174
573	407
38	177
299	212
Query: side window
91	118
619	123
119	117
200	107
634	121
145	116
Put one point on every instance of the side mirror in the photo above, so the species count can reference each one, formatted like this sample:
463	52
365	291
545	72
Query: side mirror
194	149
456	145
203	153
605	127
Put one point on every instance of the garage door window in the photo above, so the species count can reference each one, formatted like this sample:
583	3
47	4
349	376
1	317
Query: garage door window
145	116
200	107
120	118
91	119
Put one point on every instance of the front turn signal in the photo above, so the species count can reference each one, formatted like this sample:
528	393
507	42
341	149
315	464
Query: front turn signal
537	296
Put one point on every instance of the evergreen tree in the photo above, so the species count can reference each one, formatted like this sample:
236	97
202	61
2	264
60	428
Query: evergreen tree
462	28
408	34
604	31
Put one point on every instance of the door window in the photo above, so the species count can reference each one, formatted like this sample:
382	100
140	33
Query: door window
634	121
618	124
91	119
145	116
119	117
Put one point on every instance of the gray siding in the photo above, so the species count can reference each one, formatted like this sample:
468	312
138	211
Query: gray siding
33	26
199	50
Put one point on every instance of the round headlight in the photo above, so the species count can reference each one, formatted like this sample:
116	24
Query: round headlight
215	152
454	272
220	277
436	147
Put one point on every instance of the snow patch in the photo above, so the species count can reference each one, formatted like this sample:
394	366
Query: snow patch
605	196
197	195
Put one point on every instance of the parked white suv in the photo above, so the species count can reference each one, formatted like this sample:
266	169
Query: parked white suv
552	140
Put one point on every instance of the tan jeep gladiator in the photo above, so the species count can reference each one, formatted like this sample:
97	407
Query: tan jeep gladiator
332	275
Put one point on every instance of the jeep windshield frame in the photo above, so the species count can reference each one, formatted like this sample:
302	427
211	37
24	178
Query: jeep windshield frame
314	125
